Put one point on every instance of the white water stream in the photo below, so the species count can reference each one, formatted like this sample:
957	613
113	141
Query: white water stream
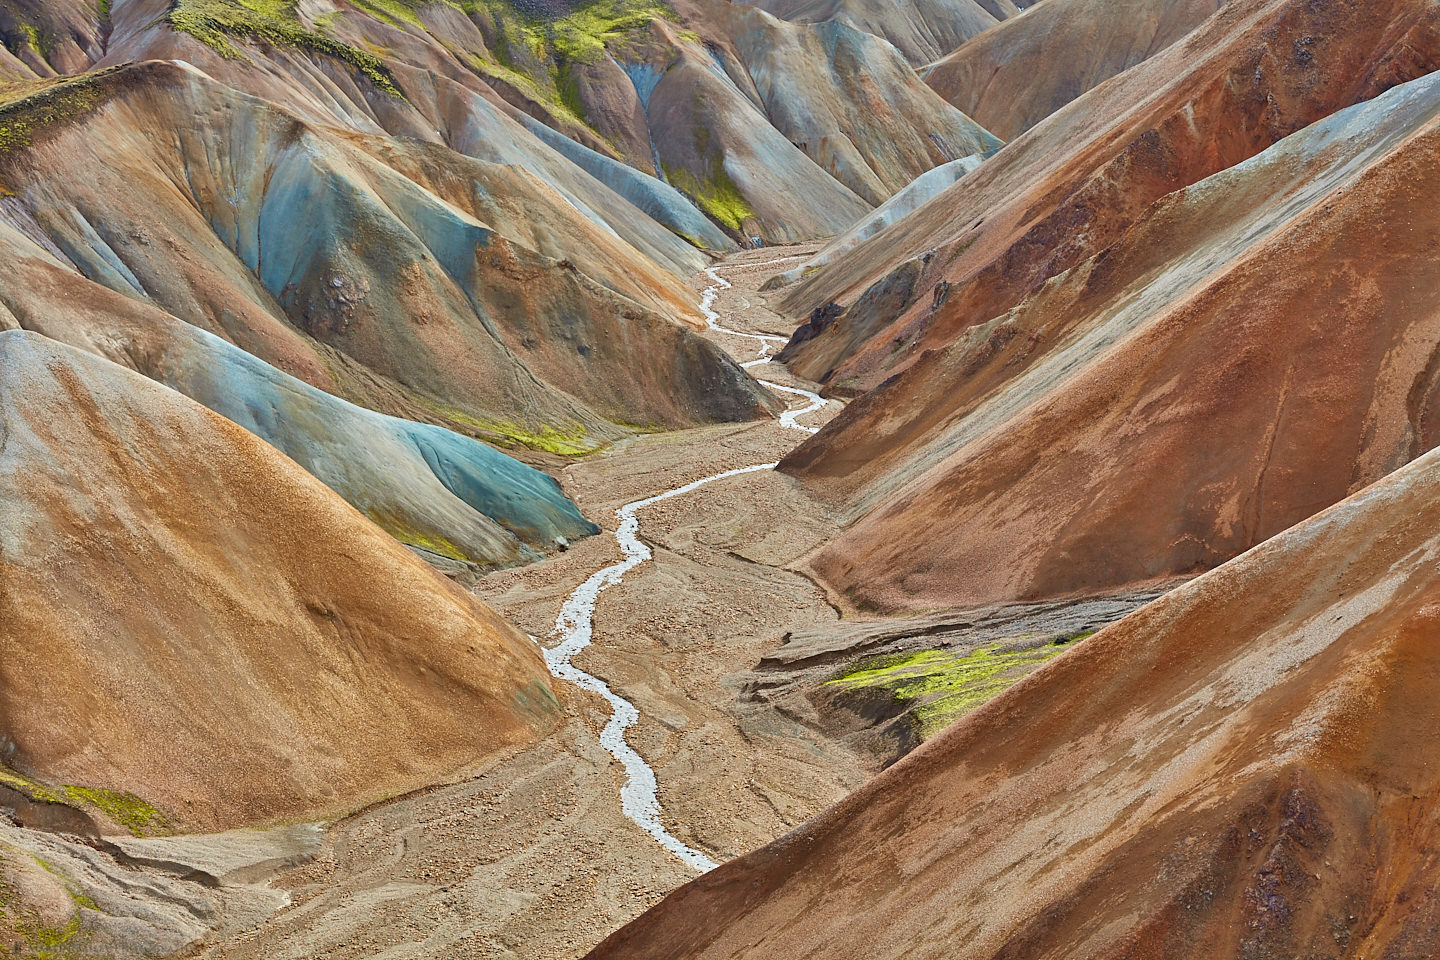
639	797
767	341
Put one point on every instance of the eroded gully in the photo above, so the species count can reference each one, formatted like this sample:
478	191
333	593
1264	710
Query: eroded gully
575	626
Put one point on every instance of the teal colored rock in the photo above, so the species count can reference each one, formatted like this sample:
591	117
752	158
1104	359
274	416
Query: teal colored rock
430	487
660	201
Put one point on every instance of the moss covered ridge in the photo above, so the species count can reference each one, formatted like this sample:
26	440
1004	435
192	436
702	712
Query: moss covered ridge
123	809
941	686
538	54
217	23
533	53
27	110
581	36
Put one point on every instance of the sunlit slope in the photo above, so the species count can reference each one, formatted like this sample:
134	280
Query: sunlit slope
189	617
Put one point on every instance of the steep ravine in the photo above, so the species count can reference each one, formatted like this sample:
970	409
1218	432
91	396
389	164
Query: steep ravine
659	625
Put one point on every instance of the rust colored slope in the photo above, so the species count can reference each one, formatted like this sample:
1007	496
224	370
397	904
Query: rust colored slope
1258	348
1250	75
1245	768
887	437
187	615
1013	76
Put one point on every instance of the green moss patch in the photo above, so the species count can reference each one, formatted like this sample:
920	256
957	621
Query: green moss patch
564	443
570	440
537	55
216	23
941	686
718	195
26	35
22	925
27	110
410	535
39	941
551	96
124	809
394	12
581	36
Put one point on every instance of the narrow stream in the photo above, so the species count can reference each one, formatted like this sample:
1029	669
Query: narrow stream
639	797
767	342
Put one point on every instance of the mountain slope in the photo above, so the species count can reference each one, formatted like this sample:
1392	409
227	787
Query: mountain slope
916	194
1171	403
1010	78
189	617
1071	186
46	39
856	110
1241	769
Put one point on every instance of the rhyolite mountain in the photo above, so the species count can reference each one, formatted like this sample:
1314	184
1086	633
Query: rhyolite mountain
308	309
445	494
1060	334
385	240
1241	81
774	129
448	230
191	620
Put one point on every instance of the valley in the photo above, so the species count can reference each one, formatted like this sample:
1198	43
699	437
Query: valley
719	479
548	844
538	849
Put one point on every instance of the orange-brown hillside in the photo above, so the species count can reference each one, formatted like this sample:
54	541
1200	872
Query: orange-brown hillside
188	616
1253	349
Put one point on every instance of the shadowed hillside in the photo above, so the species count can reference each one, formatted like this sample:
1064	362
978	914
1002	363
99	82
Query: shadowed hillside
1011	78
